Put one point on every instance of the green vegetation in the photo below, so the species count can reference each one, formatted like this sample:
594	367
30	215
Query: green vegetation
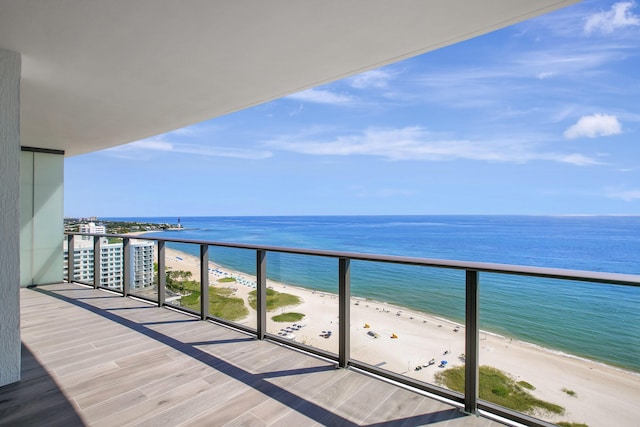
275	299
222	303
180	281
116	227
497	387
288	317
568	424
526	385
570	392
226	280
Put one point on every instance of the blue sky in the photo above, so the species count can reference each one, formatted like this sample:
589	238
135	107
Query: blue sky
539	118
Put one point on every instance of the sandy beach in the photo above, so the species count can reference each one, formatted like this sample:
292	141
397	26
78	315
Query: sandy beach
602	395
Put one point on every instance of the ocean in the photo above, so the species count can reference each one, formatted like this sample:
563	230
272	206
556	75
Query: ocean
598	322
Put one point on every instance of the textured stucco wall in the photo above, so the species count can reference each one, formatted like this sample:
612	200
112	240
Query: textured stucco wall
9	217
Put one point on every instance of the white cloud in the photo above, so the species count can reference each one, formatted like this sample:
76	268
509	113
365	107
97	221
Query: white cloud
544	75
626	195
490	85
371	79
565	60
187	131
594	126
619	16
574	159
320	96
157	144
296	111
414	143
147	144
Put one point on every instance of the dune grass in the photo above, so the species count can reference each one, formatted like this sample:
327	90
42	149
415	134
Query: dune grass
221	302
227	280
499	388
526	385
288	317
275	299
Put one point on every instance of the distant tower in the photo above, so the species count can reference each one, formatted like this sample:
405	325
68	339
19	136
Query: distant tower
179	225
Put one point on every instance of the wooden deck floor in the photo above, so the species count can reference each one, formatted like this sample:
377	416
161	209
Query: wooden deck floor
94	358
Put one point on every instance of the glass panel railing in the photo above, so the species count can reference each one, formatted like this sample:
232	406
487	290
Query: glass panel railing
144	280
111	263
302	299
182	275
419	331
82	259
550	348
551	341
232	282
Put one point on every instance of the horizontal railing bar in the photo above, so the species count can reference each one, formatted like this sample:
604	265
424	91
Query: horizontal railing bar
452	395
313	350
83	282
180	308
511	415
117	291
519	270
231	324
134	295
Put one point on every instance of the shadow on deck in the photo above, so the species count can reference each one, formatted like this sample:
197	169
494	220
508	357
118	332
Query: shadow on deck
94	358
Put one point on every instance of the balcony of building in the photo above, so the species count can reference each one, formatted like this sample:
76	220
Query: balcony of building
340	382
91	357
70	85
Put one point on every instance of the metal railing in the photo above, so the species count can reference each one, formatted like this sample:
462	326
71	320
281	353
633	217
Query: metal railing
470	399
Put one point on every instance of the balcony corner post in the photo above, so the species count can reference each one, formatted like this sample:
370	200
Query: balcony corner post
472	343
261	300
344	311
71	257
204	282
162	278
97	262
127	270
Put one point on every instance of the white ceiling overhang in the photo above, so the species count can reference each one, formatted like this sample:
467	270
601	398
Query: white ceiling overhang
96	74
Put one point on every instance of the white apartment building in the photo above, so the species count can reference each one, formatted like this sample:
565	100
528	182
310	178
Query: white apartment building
142	264
91	227
112	257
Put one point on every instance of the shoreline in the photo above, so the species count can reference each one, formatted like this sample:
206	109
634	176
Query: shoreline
604	394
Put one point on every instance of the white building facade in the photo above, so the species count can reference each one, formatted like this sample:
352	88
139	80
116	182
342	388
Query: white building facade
111	263
92	228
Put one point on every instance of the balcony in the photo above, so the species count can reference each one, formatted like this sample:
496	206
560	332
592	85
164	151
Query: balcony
346	348
92	357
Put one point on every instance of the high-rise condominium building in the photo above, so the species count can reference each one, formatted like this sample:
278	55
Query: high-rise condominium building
91	227
112	257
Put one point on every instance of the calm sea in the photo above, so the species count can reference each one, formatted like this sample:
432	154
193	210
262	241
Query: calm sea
600	322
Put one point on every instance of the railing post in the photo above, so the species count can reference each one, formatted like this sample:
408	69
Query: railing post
472	343
97	261
344	310
127	266
261	292
204	282
71	255
162	278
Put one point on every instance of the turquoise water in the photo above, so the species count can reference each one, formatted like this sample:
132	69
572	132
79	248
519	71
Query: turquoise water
600	322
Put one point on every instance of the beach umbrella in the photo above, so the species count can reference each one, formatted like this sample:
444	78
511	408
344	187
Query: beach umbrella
444	362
